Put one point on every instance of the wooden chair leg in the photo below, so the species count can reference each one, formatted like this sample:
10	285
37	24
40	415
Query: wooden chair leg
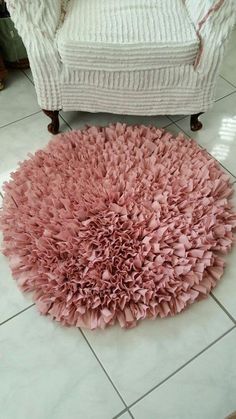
195	124
3	73
53	127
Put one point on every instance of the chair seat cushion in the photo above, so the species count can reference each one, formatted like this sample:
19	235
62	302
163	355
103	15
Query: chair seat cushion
126	34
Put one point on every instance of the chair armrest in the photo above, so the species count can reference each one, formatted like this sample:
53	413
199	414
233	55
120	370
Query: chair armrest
198	9
37	22
213	21
36	18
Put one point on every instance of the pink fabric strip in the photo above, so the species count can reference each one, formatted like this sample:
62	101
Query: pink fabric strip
200	24
210	11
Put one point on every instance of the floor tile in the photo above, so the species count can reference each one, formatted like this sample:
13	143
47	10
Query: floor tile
175	130
19	139
125	416
18	99
205	388
223	88
140	358
29	74
176	118
225	291
218	134
229	63
11	299
49	372
78	120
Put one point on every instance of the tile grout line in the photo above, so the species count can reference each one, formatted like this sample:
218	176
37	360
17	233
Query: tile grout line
131	414
224	97
227	170
223	308
228	81
28	77
65	122
169	119
182	366
166	126
184	132
18	120
121	413
17	314
179	119
103	368
126	409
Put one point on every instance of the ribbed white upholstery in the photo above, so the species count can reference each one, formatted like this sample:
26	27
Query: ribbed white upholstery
145	84
37	22
213	20
127	34
146	92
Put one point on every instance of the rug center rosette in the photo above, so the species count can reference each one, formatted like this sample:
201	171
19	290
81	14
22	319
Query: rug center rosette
117	224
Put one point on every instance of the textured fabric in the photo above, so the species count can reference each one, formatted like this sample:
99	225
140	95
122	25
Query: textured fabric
169	88
117	224
127	34
37	22
213	21
147	92
198	9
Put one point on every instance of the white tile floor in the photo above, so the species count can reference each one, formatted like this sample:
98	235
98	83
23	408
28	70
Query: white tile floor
183	367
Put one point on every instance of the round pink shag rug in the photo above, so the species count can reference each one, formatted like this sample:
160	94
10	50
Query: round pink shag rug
117	224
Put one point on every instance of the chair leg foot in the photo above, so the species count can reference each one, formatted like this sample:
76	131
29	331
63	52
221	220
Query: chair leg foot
53	127
195	124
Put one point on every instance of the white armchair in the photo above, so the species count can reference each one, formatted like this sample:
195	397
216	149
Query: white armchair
140	57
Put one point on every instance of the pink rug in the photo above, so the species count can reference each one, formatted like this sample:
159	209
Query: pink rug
117	224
